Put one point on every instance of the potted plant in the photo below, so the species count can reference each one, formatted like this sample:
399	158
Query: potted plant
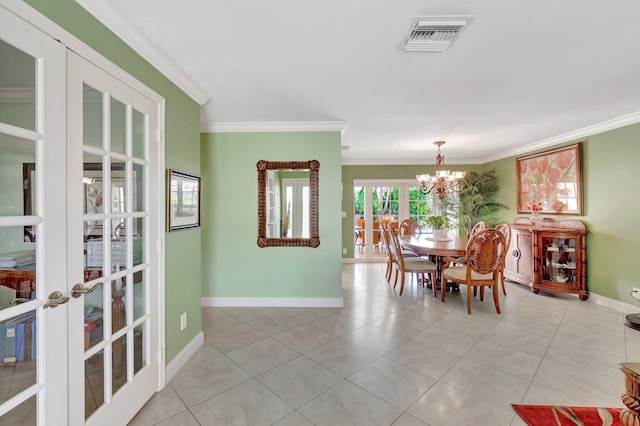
439	224
477	200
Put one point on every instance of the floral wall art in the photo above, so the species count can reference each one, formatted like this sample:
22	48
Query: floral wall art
551	182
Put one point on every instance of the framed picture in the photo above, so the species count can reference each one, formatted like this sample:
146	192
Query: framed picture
183	201
551	182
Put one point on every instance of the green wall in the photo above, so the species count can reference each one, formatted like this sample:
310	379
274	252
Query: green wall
351	173
611	201
232	263
182	137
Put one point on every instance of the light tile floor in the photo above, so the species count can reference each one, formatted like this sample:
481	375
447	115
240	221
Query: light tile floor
386	359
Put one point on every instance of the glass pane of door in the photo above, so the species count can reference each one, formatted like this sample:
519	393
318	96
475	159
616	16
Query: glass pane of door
419	206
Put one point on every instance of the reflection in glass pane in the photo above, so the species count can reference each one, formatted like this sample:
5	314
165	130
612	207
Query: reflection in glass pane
93	249
139	294
118	126
18	262
18	76
138	353
138	246
92	117
93	383
93	317
118	187
306	202
119	254
118	305
139	134
119	364
22	415
17	176
92	178
17	366
138	188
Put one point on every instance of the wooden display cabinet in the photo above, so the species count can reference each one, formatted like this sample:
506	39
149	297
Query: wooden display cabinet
551	256
519	261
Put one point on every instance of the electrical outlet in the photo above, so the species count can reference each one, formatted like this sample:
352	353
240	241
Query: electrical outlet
635	293
344	251
183	321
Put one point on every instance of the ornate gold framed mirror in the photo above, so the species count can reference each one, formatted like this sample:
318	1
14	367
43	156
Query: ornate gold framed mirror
288	203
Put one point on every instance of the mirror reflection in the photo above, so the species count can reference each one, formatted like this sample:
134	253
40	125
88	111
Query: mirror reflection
288	203
288	200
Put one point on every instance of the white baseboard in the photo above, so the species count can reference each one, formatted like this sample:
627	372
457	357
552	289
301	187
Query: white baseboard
348	260
279	302
617	305
183	356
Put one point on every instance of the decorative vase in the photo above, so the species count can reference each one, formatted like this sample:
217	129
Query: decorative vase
535	217
439	234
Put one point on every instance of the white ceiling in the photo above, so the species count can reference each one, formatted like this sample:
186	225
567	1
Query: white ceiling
524	74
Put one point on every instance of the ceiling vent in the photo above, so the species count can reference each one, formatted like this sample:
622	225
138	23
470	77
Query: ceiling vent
435	33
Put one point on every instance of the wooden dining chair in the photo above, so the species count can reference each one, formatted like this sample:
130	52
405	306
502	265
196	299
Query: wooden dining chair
411	265
409	227
390	262
482	263
505	229
481	225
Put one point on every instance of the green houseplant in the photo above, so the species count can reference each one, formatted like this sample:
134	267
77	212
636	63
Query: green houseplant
438	223
476	201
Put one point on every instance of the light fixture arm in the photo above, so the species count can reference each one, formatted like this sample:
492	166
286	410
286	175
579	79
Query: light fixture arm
444	181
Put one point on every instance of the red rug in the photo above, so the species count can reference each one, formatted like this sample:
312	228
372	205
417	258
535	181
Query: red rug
550	415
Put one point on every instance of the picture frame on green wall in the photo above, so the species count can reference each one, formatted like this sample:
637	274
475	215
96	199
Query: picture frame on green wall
550	182
183	201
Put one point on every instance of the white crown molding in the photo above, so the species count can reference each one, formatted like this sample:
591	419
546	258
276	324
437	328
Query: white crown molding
122	27
403	162
277	302
604	126
299	126
615	123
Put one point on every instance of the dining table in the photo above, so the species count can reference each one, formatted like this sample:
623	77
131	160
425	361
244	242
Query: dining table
425	244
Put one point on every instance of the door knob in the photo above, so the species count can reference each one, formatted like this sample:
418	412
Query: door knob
78	289
56	298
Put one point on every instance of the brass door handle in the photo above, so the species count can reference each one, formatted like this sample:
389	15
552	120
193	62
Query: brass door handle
56	298
78	289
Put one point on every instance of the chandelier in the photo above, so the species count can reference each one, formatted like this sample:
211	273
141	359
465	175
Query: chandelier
443	181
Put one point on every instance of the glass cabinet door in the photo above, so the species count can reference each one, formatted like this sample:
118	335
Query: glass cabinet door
559	262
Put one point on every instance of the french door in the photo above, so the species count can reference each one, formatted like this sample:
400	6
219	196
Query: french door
112	219
78	237
377	201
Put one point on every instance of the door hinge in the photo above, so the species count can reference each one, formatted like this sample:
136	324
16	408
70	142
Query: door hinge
159	246
159	137
160	356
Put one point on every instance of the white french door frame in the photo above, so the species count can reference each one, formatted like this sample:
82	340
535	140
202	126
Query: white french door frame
403	206
44	25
